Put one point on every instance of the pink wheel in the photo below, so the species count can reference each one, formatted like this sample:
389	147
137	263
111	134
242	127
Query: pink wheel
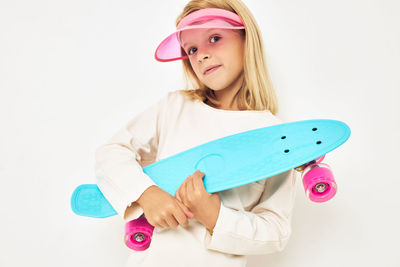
319	183
138	234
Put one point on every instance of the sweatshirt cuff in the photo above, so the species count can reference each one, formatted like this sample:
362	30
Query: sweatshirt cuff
123	200
132	212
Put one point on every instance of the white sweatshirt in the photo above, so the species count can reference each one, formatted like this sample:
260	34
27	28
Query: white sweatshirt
253	219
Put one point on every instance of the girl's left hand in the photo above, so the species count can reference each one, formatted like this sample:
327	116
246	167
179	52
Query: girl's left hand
204	206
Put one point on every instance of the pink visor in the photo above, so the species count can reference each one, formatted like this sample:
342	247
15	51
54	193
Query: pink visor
171	49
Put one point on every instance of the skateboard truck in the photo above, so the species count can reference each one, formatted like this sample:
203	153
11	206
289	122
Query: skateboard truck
318	181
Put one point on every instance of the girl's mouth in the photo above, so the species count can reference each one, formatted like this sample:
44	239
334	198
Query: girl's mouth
212	70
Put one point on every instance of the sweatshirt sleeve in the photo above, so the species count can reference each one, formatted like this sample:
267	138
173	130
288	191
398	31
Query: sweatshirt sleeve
118	162
262	230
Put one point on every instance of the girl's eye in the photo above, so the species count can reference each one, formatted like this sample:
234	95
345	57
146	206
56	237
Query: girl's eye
213	37
190	50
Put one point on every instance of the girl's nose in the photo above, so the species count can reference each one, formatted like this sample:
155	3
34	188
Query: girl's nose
202	53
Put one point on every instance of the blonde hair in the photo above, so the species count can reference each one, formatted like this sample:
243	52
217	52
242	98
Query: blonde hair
257	92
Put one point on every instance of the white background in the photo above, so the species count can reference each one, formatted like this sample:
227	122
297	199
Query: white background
73	72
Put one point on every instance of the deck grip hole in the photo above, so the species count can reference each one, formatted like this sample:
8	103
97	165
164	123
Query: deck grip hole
319	142
314	129
283	137
286	150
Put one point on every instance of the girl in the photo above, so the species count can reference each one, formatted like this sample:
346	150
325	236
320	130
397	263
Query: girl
221	49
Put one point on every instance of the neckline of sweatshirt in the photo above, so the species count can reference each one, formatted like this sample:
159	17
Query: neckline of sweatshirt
201	103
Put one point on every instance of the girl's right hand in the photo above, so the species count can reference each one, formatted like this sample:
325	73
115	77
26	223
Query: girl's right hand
162	210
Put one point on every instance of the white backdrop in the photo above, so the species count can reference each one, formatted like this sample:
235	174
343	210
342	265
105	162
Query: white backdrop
73	72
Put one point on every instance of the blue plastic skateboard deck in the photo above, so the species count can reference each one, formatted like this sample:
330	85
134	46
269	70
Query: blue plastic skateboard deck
231	161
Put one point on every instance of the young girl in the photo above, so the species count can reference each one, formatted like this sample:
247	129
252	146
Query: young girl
221	49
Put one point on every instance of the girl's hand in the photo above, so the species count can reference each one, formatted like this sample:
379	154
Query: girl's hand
163	210
204	206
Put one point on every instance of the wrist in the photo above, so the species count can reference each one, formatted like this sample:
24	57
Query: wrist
142	196
214	218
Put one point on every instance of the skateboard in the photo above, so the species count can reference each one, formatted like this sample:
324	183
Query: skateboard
232	161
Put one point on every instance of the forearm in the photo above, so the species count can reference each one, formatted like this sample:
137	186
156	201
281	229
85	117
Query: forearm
245	233
266	228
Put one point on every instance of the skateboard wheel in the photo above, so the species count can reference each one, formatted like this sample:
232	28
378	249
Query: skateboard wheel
138	234
319	183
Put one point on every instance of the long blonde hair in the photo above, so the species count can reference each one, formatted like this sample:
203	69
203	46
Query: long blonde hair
257	92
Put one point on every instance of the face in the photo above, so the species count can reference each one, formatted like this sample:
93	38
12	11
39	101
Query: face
221	47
